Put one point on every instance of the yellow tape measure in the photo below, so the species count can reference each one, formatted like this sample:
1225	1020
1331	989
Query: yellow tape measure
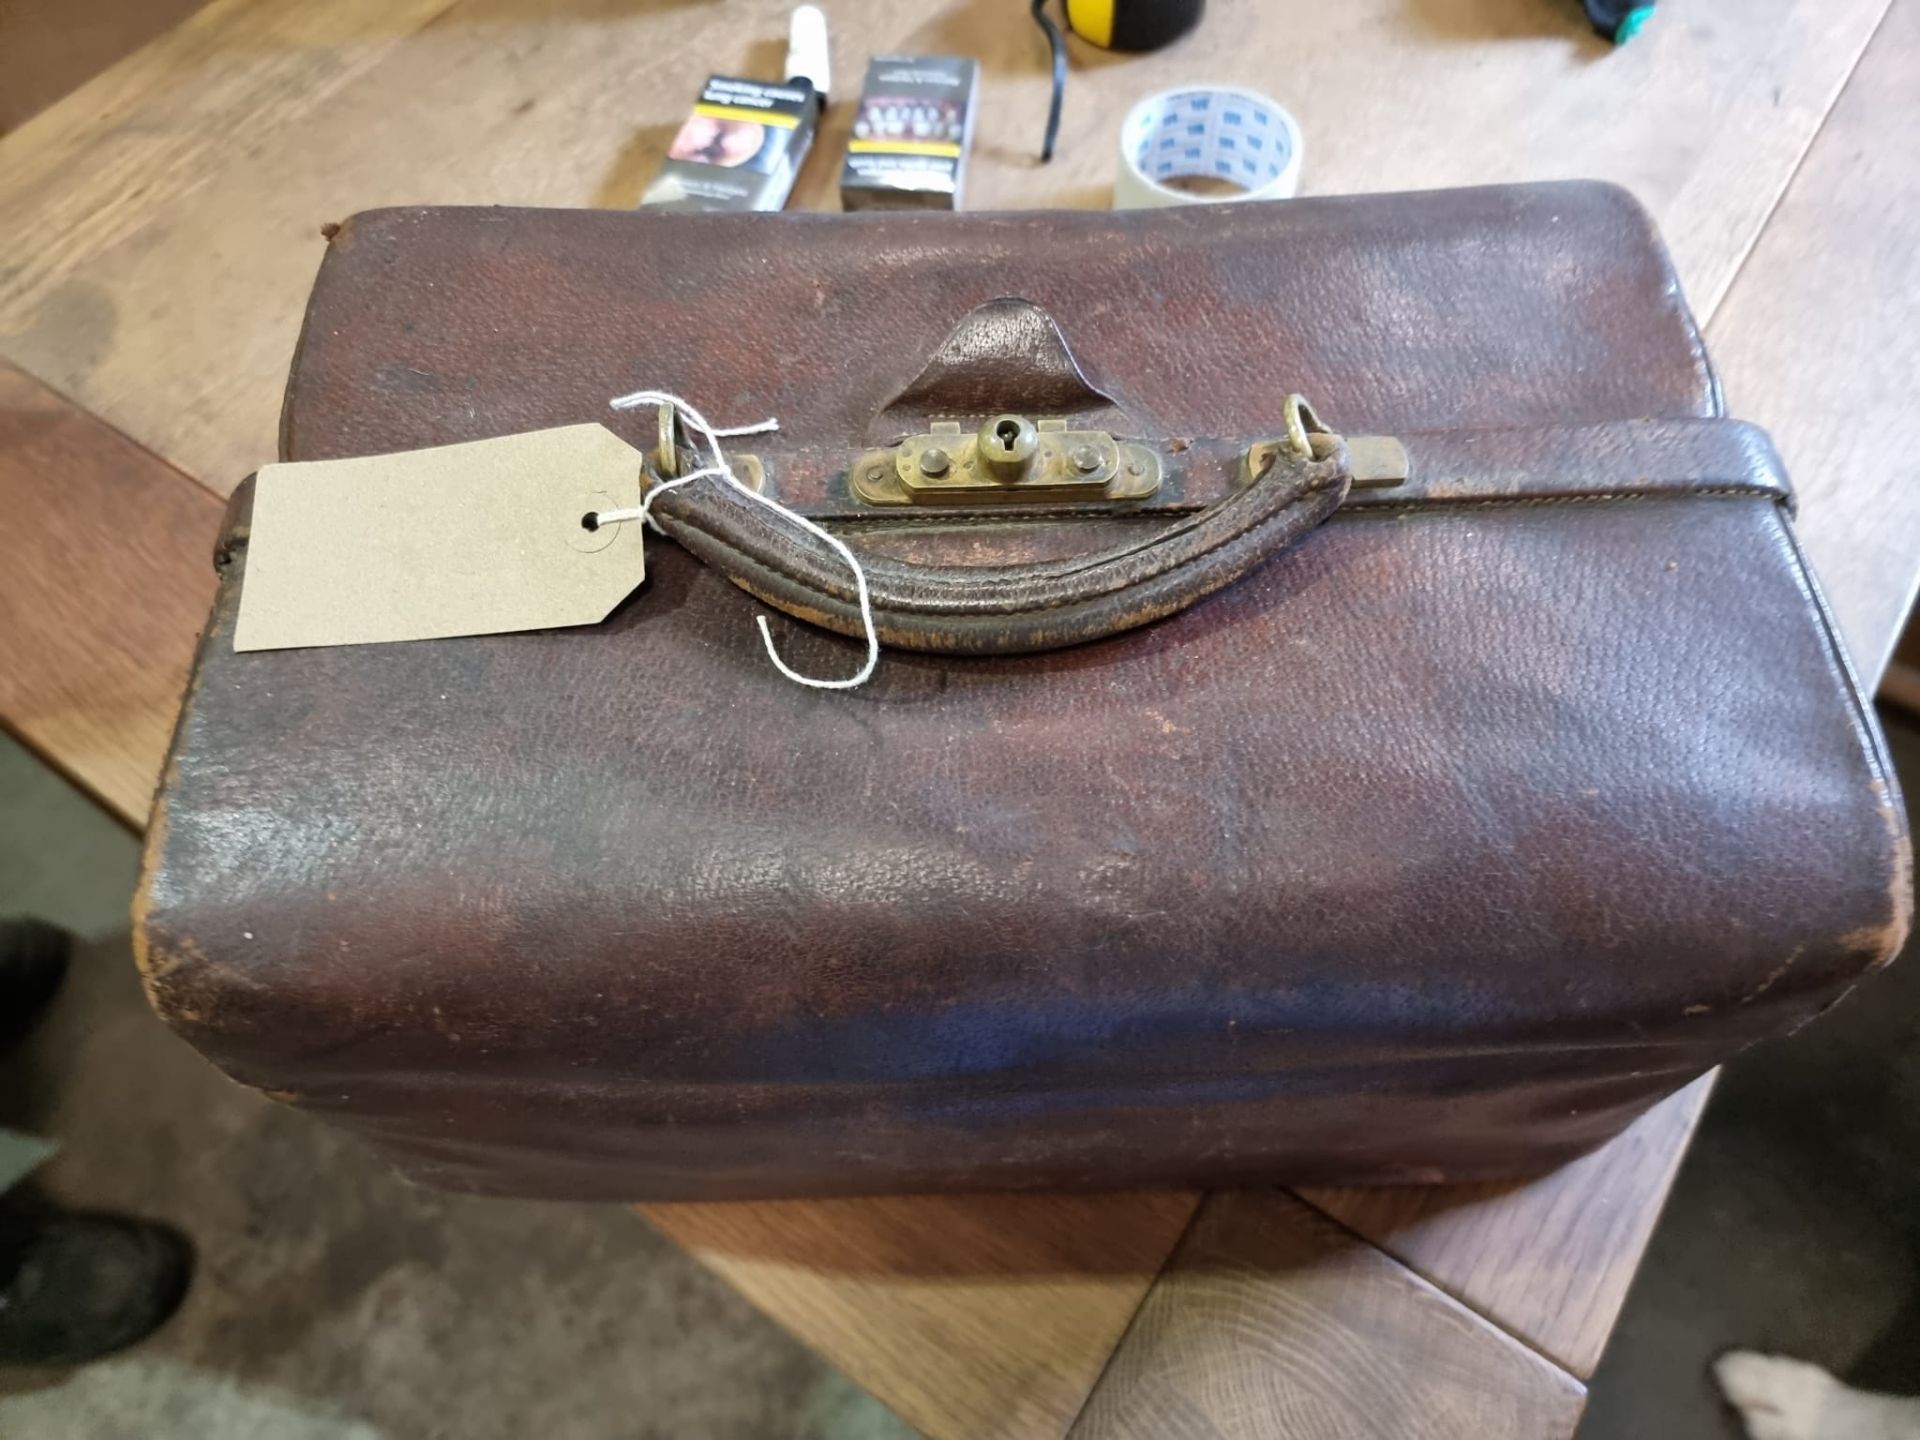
1132	24
1112	25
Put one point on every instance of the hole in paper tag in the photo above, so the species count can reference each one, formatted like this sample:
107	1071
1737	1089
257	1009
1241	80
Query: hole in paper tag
580	522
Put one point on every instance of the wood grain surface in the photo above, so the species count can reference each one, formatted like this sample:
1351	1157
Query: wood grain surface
1273	1323
106	573
985	1316
1551	1260
158	232
53	46
1819	341
161	224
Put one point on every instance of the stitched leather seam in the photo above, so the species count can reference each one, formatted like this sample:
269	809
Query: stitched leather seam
1748	492
1011	608
236	539
963	521
983	520
909	607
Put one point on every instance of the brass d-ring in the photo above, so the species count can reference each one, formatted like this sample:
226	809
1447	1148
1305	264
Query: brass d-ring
1301	422
666	454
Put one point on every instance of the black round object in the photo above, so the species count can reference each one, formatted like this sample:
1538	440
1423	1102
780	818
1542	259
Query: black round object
1149	24
76	1287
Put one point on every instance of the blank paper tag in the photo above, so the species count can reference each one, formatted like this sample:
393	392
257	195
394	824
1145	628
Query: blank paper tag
467	539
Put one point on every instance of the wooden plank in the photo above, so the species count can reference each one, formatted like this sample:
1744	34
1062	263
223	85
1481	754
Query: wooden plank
1819	341
1550	1260
122	168
1703	116
147	133
160	223
1274	1322
106	573
987	1317
54	46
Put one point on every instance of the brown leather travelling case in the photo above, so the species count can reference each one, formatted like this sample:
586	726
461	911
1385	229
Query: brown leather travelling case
1415	787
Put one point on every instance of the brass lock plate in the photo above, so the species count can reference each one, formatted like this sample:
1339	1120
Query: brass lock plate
1009	460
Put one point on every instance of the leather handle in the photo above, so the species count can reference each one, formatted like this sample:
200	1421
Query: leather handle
965	610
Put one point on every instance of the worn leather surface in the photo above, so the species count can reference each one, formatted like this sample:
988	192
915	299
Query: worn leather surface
1437	847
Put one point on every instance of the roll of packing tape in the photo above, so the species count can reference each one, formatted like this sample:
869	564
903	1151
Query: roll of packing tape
1212	136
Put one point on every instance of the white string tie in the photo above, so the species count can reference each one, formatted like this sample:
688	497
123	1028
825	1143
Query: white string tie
719	469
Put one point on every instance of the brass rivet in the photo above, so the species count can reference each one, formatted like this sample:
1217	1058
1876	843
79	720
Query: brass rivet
876	472
1135	468
1086	459
934	462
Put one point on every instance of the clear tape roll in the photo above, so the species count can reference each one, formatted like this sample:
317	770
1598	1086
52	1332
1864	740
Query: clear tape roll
1206	133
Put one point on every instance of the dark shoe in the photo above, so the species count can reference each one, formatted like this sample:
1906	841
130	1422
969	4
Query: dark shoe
76	1287
33	959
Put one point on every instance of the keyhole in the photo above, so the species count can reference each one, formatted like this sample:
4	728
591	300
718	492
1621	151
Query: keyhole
590	521
1006	432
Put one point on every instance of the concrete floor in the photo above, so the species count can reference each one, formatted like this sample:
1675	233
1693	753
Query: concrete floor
335	1302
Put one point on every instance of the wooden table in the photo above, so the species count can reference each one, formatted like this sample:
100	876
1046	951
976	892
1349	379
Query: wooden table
158	231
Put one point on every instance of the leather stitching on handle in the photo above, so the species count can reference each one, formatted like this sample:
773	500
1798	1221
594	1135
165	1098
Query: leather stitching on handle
693	522
690	518
984	607
993	612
